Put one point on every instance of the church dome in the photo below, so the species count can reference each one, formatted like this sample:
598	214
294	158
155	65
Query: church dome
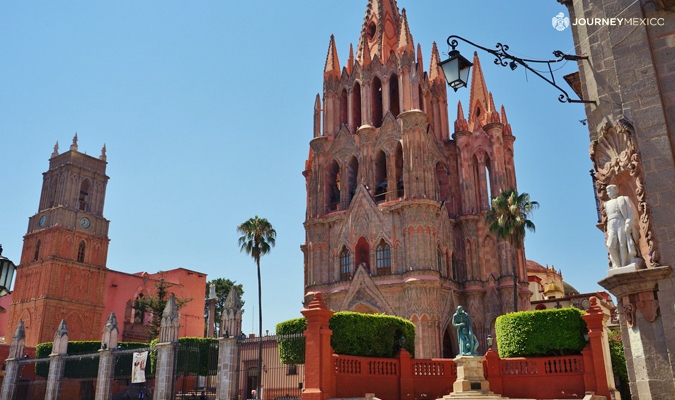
533	266
569	289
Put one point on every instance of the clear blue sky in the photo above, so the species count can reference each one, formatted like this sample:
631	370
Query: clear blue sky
206	111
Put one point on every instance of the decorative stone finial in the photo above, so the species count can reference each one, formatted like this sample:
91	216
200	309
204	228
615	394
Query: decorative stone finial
60	345
103	156
56	149
212	292
74	145
230	322
18	342
168	331
110	333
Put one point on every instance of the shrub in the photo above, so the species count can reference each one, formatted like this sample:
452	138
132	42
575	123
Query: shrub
618	357
355	334
291	350
86	367
541	333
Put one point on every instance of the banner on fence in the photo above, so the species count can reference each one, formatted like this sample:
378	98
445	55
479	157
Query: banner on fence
138	368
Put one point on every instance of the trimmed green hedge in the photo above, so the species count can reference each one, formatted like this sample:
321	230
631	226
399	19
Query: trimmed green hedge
355	334
291	351
541	333
86	367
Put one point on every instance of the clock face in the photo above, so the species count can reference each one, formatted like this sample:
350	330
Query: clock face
84	222
42	220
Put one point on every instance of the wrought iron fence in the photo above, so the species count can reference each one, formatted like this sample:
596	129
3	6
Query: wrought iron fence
31	386
123	387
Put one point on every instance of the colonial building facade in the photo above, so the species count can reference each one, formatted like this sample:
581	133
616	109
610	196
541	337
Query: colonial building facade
397	196
63	272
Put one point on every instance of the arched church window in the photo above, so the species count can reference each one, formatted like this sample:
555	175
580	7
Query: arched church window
353	167
37	250
345	264
356	106
344	111
439	260
333	186
455	267
383	256
394	105
52	192
84	195
139	306
380	176
80	252
362	253
398	164
376	103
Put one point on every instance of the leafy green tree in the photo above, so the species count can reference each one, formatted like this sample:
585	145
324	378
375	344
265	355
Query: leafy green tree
257	239
156	303
508	218
223	287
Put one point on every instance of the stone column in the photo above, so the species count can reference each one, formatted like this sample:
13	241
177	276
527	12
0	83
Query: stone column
642	330
56	363
8	391
166	352
228	360
319	372
106	360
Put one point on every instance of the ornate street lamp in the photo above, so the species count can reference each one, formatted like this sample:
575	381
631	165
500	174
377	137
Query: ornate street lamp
7	269
456	67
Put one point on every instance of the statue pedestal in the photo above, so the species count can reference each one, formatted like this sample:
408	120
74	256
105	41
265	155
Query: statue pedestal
471	382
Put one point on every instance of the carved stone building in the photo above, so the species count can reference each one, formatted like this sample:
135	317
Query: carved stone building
397	196
63	272
630	74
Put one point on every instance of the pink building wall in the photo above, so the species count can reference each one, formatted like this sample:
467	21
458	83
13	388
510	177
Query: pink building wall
122	288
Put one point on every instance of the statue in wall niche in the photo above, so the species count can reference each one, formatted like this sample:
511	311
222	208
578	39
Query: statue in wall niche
468	343
622	229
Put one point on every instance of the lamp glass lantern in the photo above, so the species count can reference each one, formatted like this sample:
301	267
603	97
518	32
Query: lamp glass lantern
7	269
456	70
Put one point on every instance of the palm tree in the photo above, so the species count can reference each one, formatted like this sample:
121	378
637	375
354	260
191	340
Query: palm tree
257	239
508	218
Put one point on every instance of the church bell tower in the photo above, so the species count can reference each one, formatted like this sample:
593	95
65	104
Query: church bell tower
63	262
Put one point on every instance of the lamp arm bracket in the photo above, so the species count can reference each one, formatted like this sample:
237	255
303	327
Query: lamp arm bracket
501	55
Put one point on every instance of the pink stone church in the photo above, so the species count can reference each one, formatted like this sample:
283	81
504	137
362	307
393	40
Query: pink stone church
397	195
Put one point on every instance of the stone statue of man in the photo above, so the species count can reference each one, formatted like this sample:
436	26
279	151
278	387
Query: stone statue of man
622	229
468	344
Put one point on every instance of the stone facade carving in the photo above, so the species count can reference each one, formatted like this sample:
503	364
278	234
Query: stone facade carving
617	162
406	235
